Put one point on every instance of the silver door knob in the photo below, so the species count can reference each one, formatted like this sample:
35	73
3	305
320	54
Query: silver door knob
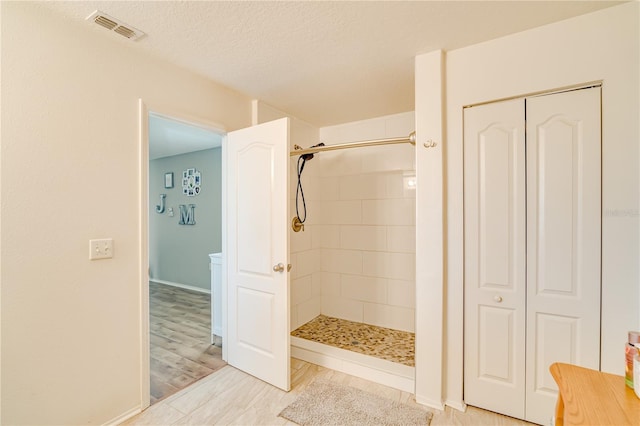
497	298
278	268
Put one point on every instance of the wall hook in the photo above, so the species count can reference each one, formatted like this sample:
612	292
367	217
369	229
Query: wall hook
160	208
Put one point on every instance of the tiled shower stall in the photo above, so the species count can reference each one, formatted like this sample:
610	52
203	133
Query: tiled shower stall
355	259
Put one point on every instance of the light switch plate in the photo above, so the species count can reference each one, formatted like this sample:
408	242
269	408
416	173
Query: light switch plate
101	249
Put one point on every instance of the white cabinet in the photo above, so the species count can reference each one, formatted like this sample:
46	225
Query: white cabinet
532	248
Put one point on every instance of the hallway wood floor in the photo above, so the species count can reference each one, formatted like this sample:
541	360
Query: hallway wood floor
180	327
231	397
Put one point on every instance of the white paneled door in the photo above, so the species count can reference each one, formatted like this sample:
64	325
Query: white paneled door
495	270
563	240
532	248
257	161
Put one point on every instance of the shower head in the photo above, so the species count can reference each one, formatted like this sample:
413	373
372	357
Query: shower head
307	157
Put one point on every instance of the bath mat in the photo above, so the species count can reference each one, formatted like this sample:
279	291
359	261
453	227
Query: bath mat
326	403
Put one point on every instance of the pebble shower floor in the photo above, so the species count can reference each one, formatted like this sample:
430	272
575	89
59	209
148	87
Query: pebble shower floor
385	343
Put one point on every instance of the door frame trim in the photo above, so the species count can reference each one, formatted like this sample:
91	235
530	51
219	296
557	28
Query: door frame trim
563	89
144	108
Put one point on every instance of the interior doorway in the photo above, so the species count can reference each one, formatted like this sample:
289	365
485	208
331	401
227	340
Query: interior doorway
181	165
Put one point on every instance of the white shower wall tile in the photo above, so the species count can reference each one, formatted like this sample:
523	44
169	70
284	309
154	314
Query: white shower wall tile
341	163
301	289
400	124
326	236
371	186
354	131
329	188
401	293
389	316
366	289
314	211
338	307
293	261
316	234
292	174
389	212
387	158
395	185
305	289
359	237
307	262
330	284
341	261
316	284
399	266
311	185
306	311
292	210
410	191
401	239
388	126
301	241
342	212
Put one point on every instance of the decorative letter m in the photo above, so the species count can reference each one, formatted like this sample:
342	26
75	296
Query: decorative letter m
187	216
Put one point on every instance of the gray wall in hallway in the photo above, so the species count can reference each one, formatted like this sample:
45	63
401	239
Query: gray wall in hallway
179	253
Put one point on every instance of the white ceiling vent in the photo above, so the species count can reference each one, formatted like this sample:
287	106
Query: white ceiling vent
116	25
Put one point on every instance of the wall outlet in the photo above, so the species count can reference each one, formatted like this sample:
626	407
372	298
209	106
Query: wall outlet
101	249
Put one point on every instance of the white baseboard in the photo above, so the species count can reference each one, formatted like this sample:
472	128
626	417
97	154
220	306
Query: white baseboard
216	339
377	370
185	286
431	403
456	405
124	416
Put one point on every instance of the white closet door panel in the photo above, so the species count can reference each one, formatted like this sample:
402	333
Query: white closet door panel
494	199
563	240
496	335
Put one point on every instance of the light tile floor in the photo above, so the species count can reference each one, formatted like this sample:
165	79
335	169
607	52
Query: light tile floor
229	396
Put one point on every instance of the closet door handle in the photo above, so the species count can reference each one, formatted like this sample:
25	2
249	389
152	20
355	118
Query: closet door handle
497	298
278	268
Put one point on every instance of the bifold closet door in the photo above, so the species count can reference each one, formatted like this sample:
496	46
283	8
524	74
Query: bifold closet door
563	240
495	272
532	209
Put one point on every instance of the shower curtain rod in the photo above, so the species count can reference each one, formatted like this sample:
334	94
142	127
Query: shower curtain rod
391	141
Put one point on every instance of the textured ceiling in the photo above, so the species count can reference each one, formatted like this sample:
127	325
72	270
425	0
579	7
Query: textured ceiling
324	62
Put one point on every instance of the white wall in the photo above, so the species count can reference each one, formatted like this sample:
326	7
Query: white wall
70	172
430	242
600	46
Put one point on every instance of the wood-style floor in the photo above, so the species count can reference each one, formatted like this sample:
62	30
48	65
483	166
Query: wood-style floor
180	337
230	396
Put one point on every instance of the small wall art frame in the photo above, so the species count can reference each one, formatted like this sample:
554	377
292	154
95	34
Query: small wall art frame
168	180
191	181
